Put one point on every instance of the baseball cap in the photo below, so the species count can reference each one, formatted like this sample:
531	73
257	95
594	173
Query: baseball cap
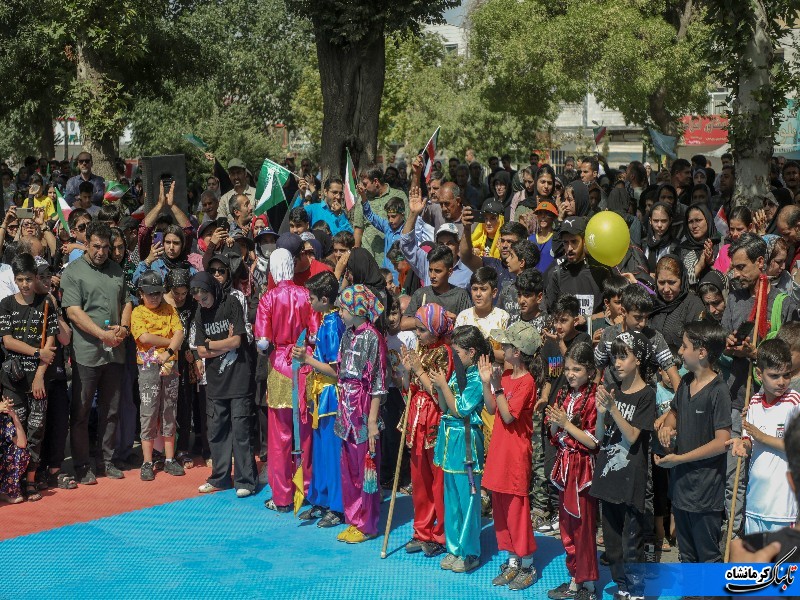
573	226
493	207
547	207
151	282
205	225
522	335
291	242
448	228
236	163
263	233
42	266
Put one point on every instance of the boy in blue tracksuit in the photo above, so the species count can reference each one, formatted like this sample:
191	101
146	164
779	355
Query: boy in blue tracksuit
391	227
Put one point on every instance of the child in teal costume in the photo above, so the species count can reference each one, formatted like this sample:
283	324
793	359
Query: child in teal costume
459	449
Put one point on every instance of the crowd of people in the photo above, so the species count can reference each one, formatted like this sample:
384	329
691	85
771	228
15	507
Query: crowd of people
454	319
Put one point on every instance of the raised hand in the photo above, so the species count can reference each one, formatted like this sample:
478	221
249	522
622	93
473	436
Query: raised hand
415	202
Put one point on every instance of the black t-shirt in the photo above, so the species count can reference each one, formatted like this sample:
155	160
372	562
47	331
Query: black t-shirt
454	300
23	322
699	486
229	375
620	474
186	314
554	362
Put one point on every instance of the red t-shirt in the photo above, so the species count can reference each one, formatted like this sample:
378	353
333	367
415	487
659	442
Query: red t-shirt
301	278
508	463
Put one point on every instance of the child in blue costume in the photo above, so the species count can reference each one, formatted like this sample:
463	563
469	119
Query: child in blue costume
459	449
325	491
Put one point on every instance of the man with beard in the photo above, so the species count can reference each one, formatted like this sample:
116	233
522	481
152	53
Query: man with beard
98	183
237	171
510	233
747	267
574	275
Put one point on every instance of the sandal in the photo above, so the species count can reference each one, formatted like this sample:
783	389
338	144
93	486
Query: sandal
11	499
61	480
32	491
185	459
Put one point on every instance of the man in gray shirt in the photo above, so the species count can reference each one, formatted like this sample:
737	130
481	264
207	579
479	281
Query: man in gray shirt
97	305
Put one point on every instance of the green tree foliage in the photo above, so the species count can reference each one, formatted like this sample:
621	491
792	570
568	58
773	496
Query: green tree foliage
640	57
250	62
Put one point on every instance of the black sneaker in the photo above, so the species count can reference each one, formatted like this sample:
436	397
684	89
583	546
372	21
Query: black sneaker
431	549
311	513
173	467
562	592
146	473
507	574
413	546
85	476
112	472
330	519
584	594
525	578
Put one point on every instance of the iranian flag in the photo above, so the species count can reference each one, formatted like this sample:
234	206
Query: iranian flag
269	190
599	134
114	191
350	178
429	155
62	210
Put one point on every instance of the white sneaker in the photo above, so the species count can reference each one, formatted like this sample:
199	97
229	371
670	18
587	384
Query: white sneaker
243	493
207	488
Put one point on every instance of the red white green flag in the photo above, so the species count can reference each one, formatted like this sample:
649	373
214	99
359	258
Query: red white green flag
350	178
599	134
62	210
429	155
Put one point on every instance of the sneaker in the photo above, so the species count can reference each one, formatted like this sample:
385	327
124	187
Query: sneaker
173	467
330	519
270	504
562	592
507	574
549	527
447	562
311	513
86	476
413	546
432	549
465	565
112	472
242	492
584	594
207	488
525	578
538	521
146	473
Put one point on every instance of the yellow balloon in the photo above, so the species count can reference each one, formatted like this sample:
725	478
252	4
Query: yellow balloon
607	238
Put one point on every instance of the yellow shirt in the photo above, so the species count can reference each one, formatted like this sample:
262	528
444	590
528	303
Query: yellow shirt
47	204
163	321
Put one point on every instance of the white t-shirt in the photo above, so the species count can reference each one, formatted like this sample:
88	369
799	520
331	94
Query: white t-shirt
769	496
497	319
394	343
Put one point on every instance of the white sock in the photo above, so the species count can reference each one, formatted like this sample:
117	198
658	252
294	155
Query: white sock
513	561
573	587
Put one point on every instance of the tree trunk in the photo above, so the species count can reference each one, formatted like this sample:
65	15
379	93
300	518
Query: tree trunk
751	122
46	133
352	86
91	85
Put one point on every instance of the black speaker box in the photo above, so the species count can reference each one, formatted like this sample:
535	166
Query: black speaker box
155	170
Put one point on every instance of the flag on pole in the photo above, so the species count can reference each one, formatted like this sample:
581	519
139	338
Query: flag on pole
269	190
114	191
62	210
599	133
196	141
429	155
350	178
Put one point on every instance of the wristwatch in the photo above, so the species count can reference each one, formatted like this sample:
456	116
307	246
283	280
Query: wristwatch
170	351
499	391
37	355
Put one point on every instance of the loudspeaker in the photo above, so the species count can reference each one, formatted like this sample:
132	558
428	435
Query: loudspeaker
155	170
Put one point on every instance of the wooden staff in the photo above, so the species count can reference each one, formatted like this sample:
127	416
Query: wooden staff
731	515
396	473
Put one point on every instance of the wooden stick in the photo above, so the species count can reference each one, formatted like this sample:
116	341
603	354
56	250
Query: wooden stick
396	473
732	513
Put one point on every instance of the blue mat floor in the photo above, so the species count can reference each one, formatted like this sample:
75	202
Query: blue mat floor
221	546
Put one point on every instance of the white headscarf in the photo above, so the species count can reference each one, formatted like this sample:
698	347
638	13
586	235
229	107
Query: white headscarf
281	265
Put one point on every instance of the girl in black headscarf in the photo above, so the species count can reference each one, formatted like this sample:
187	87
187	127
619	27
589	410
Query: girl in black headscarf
676	305
700	246
659	241
362	268
502	191
576	201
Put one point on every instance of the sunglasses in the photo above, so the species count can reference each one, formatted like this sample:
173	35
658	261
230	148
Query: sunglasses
308	252
14	226
84	161
82	227
218	270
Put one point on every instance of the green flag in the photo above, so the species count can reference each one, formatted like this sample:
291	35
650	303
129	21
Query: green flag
196	141
269	191
62	210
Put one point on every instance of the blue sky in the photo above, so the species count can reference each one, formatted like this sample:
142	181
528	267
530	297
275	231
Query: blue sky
454	16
